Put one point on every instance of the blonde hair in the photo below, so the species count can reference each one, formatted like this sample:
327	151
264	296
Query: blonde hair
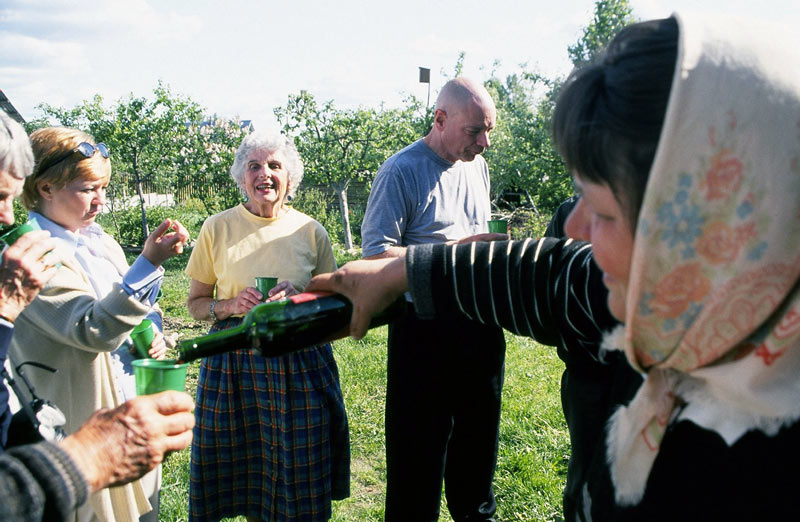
48	145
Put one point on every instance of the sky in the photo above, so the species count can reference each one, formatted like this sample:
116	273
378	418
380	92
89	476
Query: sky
240	58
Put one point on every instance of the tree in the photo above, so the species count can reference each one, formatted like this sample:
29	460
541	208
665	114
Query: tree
204	161
147	136
609	17
522	157
161	141
341	146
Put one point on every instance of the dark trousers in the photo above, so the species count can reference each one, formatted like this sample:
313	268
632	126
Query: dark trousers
445	379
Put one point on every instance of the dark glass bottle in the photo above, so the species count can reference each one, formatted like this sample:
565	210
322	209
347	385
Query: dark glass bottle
279	327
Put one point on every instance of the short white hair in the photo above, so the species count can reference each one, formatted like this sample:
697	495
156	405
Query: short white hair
16	156
268	141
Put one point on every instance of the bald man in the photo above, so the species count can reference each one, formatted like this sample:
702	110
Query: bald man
444	377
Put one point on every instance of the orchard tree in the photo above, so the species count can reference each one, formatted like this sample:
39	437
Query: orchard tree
147	135
522	157
340	146
204	161
609	17
160	140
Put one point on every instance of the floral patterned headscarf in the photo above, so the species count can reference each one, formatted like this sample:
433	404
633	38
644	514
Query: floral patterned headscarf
713	314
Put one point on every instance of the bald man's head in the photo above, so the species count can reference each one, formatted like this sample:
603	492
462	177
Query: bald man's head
459	92
465	115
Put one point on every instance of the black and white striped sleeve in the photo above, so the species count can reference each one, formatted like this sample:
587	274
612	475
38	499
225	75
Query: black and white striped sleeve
547	289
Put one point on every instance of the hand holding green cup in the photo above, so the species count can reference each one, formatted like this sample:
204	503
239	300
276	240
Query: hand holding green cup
17	232
11	237
142	337
265	284
154	376
498	226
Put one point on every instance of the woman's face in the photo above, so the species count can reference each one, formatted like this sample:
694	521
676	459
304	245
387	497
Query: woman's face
599	219
10	187
266	182
76	204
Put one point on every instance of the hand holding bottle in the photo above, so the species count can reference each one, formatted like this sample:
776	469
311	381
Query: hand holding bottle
287	325
371	285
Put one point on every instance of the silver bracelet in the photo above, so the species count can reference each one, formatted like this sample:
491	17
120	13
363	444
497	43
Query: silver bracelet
211	310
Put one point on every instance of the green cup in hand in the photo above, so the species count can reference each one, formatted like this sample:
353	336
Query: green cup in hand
142	337
17	232
265	284
498	226
153	376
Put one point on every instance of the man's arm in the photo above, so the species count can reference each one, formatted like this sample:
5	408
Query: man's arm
389	252
542	289
44	481
117	446
386	215
539	288
39	482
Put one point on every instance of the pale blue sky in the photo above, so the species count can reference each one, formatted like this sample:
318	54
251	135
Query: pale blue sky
243	58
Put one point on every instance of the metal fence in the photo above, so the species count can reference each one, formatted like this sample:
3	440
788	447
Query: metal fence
122	188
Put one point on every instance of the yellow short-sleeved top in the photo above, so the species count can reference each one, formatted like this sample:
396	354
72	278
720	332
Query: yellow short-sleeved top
235	246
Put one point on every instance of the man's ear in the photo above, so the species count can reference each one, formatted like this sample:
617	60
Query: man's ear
439	118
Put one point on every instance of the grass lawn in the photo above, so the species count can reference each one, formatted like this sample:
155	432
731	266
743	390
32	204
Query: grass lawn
534	443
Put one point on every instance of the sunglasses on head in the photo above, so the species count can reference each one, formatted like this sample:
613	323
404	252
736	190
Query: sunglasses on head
85	148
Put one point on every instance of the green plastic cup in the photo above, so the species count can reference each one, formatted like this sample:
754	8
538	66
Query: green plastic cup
265	284
498	226
17	232
142	337
154	376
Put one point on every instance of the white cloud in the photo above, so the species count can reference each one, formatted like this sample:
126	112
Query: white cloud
28	52
245	57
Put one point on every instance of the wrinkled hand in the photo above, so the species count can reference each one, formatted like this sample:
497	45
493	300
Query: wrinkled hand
26	267
281	290
117	446
166	241
242	303
371	285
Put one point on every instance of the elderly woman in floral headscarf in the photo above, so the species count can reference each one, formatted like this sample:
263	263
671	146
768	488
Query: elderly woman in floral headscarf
684	142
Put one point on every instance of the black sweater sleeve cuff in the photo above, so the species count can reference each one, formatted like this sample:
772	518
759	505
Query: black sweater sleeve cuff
419	273
62	484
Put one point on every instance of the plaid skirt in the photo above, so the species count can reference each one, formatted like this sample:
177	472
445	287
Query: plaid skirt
271	438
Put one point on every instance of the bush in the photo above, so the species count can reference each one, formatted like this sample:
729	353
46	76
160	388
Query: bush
321	207
126	225
325	209
20	216
526	223
345	256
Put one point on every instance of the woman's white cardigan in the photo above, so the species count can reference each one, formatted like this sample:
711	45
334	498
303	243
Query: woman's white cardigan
67	328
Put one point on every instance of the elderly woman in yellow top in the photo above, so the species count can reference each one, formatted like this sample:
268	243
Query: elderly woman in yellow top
271	437
81	321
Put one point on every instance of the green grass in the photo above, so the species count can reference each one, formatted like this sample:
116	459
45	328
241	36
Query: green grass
534	443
